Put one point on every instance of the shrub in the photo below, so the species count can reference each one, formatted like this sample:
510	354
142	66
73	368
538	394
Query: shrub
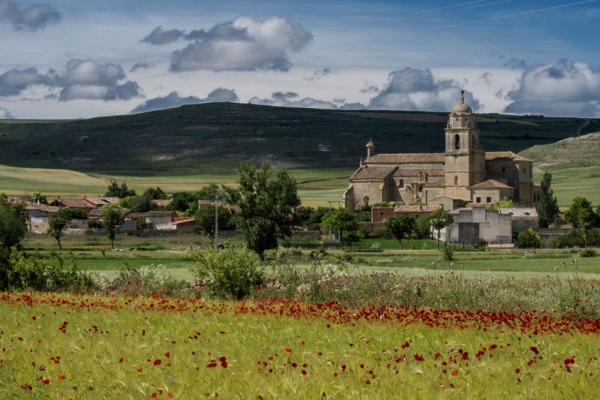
588	253
93	224
481	244
227	273
528	239
31	272
448	253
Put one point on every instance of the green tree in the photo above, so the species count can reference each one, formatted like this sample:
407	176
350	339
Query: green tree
57	222
112	219
528	239
341	220
205	221
12	228
155	193
182	201
142	204
114	190
548	206
208	192
266	206
401	227
37	197
505	202
579	205
439	220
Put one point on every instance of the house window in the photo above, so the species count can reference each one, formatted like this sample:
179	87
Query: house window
477	200
488	199
401	183
381	215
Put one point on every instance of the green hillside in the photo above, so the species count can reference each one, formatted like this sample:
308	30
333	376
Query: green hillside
573	152
214	138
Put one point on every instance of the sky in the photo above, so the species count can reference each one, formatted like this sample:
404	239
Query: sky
68	59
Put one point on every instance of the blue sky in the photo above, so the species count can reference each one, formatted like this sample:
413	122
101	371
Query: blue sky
72	59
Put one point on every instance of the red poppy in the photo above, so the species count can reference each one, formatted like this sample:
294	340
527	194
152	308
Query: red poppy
157	362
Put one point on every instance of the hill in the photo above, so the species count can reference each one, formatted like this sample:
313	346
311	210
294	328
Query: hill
215	137
573	152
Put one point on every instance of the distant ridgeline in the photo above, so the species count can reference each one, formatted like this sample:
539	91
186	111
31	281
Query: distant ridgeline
214	138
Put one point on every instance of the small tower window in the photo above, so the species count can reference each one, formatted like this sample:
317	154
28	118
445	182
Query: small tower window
503	169
456	181
456	141
401	183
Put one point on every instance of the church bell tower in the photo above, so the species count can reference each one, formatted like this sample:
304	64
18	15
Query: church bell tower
464	156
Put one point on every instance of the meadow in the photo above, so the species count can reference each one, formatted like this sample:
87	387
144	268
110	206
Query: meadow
316	187
89	346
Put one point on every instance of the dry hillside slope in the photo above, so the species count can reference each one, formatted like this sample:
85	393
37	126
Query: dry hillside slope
579	151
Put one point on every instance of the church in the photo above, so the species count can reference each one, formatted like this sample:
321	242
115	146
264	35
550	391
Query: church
465	175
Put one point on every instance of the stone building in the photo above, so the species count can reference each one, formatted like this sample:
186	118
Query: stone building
461	176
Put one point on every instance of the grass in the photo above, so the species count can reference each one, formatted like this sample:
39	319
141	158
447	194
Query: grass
105	347
574	182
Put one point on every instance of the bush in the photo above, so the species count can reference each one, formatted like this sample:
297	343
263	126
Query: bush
588	253
93	224
528	239
31	272
481	244
228	274
448	253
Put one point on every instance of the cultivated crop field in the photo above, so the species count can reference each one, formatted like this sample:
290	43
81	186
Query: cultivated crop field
87	346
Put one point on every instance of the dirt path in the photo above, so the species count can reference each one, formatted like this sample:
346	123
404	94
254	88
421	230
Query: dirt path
586	123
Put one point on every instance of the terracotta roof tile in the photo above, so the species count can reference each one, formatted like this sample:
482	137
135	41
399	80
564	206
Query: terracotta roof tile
406	158
415	209
417	172
493	155
367	172
491	184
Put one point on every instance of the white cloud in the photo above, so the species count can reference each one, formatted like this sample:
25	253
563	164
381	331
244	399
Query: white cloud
243	44
417	90
31	19
173	100
5	114
560	88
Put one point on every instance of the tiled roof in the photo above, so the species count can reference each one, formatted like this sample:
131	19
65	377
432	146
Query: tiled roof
41	207
182	220
435	183
491	184
100	201
367	172
151	214
98	212
407	158
415	209
73	203
417	172
493	155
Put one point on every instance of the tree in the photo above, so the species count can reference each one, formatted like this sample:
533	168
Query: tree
57	222
266	206
205	221
579	205
548	206
142	204
401	227
208	192
121	192
182	201
112	219
440	219
341	220
37	197
155	193
12	228
528	239
505	202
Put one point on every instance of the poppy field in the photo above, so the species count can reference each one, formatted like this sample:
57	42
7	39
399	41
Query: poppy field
98	346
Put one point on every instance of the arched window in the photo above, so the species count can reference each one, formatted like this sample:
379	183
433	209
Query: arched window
455	180
457	141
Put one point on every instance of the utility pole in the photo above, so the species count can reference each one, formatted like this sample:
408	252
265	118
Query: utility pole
216	223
